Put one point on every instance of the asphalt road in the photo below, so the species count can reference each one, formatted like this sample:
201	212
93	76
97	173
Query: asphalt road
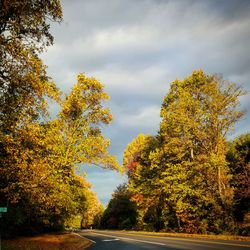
111	240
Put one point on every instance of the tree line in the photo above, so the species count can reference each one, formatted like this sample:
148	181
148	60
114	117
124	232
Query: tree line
188	177
40	155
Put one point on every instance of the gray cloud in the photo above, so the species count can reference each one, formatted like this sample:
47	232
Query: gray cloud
137	48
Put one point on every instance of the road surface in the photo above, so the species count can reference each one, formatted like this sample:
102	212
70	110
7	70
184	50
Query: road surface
112	240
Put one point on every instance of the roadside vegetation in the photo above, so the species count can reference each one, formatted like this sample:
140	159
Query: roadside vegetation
40	155
188	178
62	241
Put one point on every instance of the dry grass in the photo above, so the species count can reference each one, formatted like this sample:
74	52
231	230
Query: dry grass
203	236
58	241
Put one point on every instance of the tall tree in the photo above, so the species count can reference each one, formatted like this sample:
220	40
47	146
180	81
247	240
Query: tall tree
78	127
145	192
24	32
24	86
41	182
188	168
38	157
238	156
121	212
197	113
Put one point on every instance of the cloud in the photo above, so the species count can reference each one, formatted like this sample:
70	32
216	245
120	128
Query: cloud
137	48
148	117
106	184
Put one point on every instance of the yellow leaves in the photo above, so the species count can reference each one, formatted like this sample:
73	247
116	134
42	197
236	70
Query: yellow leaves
187	164
134	149
85	101
82	181
84	83
79	122
81	78
41	161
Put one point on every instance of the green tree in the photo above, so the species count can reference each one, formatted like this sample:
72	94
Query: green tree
238	156
121	212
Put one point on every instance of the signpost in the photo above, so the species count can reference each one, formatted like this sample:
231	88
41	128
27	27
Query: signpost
3	209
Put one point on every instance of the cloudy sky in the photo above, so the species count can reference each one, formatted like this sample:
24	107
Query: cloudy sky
136	48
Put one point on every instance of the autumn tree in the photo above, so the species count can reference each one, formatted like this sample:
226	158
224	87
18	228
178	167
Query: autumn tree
145	192
188	168
24	33
39	156
238	157
78	126
75	136
43	183
92	212
24	84
24	87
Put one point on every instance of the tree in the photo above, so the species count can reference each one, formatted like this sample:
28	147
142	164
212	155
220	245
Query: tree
186	172
24	32
238	156
75	136
38	156
197	113
92	212
121	211
145	192
42	187
24	87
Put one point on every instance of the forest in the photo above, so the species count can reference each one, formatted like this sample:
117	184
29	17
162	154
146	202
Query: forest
187	178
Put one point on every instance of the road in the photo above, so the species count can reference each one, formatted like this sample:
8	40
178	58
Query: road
112	240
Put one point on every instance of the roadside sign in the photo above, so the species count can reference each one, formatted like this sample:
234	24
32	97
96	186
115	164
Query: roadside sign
3	209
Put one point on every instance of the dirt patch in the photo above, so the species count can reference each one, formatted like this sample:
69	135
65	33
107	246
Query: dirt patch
60	241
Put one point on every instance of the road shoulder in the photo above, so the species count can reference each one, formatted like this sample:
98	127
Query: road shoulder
52	241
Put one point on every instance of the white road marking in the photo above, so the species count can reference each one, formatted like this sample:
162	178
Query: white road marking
123	238
111	240
84	237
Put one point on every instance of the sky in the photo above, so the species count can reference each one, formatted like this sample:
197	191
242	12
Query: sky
136	48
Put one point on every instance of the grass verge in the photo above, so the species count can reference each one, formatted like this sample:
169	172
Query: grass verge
51	241
203	236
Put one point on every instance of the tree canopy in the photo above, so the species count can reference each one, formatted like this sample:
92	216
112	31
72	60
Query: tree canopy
180	178
121	212
24	84
39	156
238	156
